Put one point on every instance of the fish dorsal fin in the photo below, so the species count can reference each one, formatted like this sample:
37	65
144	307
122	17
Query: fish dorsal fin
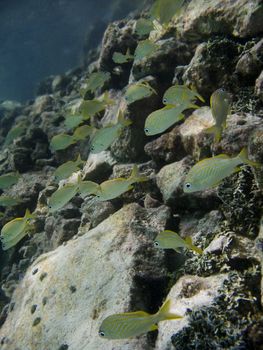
153	327
136	313
222	156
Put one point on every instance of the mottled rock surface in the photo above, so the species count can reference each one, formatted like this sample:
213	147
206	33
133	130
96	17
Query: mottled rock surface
77	285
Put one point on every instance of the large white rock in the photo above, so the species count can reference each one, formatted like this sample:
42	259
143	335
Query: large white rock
190	292
240	18
66	294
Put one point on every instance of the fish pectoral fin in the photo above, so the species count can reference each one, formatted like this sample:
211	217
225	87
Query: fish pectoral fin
153	327
130	187
237	169
177	250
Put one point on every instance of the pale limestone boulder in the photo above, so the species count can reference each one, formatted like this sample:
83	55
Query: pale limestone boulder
240	18
98	166
193	129
190	292
170	179
66	293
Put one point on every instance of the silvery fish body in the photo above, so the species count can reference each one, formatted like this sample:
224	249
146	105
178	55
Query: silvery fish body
160	120
210	172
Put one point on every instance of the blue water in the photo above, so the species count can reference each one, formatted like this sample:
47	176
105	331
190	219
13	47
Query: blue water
44	37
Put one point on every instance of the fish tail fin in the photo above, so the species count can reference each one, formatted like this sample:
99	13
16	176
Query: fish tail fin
190	244
106	98
216	130
79	161
164	312
193	88
136	177
122	120
243	156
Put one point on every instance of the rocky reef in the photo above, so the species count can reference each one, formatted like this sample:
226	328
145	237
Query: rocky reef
89	260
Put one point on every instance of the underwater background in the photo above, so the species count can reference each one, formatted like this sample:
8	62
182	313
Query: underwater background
131	140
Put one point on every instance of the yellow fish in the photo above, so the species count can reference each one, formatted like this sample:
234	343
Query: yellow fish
143	27
88	187
82	132
220	102
61	141
160	120
95	81
62	196
180	94
68	168
132	324
89	108
138	91
14	230
104	137
144	49
165	10
65	193
14	133
210	172
72	121
8	180
114	188
119	58
171	240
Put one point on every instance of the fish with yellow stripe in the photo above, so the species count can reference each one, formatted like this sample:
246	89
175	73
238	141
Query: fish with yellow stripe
210	172
168	239
132	324
111	189
14	230
220	102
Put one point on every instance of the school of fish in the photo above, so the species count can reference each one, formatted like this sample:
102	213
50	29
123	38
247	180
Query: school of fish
205	174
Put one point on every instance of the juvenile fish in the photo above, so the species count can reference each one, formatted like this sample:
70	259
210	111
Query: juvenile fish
171	240
114	188
160	120
14	230
143	27
119	58
61	141
95	81
82	132
67	169
104	137
138	91
144	49
132	324
165	10
89	108
181	94
72	121
14	133
8	180
220	102
62	196
210	172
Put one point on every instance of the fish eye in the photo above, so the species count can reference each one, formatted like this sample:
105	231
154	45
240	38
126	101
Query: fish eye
188	185
156	244
146	131
50	206
164	100
102	334
92	148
